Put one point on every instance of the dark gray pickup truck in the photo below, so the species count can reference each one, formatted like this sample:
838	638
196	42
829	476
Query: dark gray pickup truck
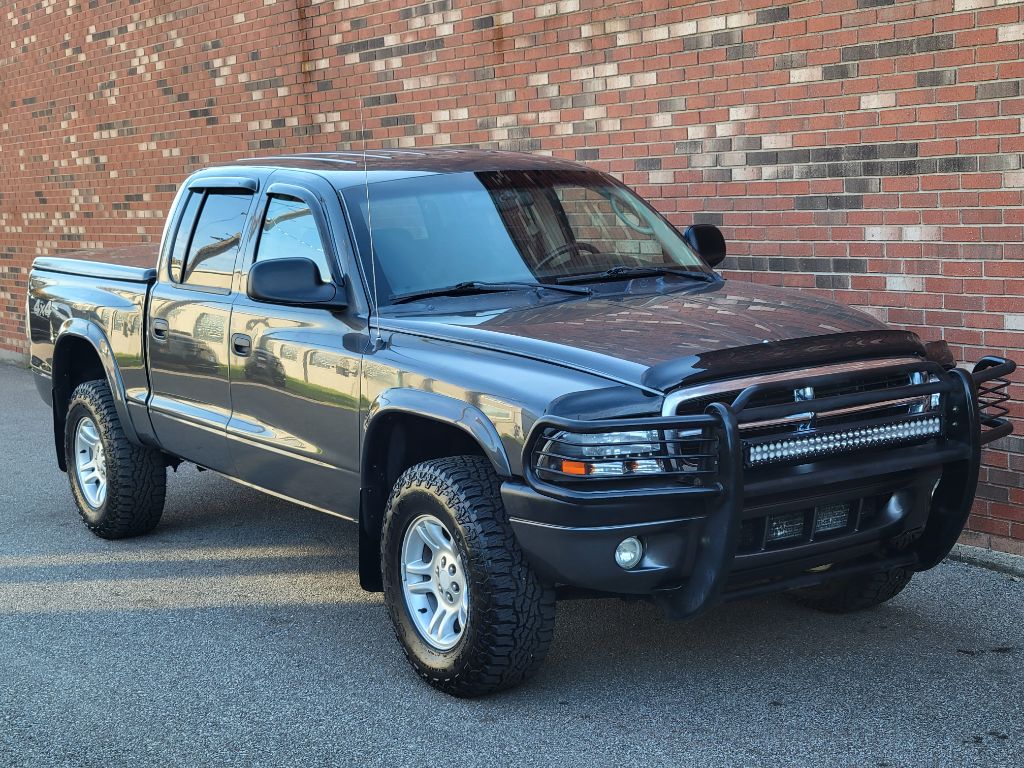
521	382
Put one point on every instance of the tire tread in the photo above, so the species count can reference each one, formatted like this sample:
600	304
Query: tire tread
854	593
515	625
136	475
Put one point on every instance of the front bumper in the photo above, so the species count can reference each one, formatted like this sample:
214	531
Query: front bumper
698	541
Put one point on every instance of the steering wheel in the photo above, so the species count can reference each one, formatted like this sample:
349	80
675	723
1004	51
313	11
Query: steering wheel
638	227
575	245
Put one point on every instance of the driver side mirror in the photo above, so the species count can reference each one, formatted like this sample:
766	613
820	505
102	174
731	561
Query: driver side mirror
295	282
707	240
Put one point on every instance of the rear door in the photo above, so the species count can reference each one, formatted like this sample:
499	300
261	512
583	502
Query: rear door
295	371
189	320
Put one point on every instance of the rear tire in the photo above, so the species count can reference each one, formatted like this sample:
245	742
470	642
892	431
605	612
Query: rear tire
118	486
510	612
854	593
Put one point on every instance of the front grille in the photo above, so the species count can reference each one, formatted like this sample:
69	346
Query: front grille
781	530
810	415
868	383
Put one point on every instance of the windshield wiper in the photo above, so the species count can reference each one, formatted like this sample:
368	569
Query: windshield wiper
477	286
617	272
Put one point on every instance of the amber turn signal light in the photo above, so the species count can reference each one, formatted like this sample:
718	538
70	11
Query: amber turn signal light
574	467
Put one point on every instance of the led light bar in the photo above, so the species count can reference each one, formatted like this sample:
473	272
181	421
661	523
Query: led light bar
842	441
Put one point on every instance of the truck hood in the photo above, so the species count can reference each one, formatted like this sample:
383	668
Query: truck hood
623	335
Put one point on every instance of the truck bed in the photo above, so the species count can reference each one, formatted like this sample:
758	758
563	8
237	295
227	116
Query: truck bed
98	296
132	263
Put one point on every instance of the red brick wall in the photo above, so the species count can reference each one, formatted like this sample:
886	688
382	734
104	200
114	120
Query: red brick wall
866	149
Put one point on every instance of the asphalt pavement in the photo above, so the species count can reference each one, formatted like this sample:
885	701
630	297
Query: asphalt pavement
237	635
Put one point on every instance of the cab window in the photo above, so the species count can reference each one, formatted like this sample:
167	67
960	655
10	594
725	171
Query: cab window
289	231
184	232
216	240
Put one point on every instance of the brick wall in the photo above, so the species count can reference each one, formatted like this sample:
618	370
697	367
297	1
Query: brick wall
866	149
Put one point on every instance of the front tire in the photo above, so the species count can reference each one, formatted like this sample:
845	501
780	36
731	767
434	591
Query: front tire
854	593
469	612
118	486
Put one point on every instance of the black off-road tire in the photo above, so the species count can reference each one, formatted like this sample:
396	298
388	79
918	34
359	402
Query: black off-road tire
136	476
511	611
854	593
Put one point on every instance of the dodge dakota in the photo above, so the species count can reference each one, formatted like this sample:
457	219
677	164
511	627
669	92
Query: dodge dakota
521	382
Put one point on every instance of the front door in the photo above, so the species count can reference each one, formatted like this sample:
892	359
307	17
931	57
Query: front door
189	320
294	427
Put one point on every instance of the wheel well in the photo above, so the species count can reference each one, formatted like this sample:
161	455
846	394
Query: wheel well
395	443
75	361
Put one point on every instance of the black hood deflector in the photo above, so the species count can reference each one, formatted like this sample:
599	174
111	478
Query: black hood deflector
780	355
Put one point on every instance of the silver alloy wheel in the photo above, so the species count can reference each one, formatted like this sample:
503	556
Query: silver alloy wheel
434	583
90	463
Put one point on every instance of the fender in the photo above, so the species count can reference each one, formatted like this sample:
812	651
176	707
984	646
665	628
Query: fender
372	497
444	409
80	328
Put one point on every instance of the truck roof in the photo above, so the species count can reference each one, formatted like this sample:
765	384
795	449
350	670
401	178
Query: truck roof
345	169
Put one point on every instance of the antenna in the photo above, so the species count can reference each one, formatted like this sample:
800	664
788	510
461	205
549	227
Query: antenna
374	313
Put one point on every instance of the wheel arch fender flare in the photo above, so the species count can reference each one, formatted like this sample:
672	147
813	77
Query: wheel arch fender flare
437	407
77	328
429	405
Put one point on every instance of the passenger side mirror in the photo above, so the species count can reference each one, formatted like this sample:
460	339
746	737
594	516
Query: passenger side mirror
295	282
707	240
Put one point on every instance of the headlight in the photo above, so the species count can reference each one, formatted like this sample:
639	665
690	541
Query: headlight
602	454
672	452
610	444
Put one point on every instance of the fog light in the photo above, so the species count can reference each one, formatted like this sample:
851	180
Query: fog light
787	526
629	552
831	517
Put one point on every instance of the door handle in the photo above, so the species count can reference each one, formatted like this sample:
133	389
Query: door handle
241	344
159	329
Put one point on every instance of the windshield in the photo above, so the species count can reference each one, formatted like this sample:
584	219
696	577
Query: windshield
432	232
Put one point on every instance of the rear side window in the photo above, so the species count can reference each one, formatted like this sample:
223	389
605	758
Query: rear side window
185	225
216	239
289	231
